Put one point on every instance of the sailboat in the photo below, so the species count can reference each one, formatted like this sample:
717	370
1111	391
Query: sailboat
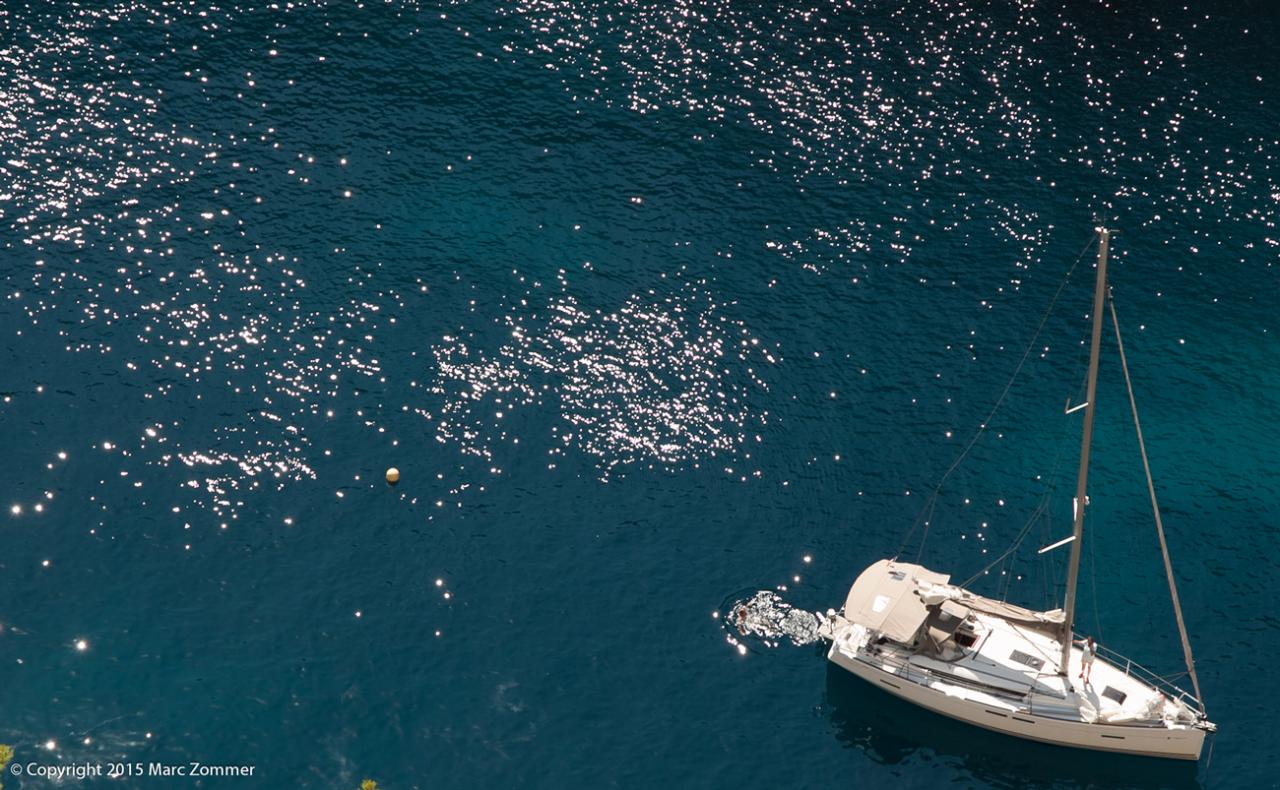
1015	670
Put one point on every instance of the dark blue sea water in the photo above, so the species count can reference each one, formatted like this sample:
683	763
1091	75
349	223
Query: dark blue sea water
653	305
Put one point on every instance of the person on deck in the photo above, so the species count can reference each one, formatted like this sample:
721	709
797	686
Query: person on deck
1090	649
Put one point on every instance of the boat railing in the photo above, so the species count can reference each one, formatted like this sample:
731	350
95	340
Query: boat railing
903	665
906	669
1136	670
914	673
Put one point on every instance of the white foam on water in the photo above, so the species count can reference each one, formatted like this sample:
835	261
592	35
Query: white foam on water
766	617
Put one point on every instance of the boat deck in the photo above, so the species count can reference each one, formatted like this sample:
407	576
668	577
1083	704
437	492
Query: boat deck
1020	667
984	691
995	665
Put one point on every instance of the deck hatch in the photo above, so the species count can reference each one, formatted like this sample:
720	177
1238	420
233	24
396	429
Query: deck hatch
1114	694
1027	658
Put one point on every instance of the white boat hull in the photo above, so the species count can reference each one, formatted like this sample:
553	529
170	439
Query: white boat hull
1176	743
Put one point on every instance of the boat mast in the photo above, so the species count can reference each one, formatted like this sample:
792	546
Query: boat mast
1082	479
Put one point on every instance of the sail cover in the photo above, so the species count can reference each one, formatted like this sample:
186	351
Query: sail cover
885	598
1051	619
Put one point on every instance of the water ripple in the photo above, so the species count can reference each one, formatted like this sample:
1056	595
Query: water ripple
660	380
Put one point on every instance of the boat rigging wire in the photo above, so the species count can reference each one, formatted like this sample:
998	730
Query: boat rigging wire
1093	581
926	513
1155	507
1035	515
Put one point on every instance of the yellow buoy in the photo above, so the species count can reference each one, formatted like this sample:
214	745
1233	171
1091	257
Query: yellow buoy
393	475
